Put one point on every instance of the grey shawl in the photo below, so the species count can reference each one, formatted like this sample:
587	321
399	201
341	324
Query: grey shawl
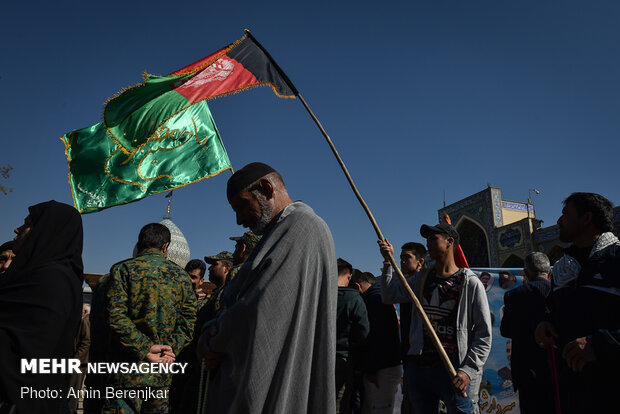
279	336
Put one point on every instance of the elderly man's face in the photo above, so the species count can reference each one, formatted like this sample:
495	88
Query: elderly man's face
6	257
253	210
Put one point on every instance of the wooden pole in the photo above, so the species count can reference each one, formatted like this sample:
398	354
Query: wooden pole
427	323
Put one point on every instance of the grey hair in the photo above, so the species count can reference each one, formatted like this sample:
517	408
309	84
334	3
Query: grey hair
537	263
266	212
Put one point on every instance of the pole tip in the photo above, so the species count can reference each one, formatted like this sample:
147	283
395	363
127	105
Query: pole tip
247	31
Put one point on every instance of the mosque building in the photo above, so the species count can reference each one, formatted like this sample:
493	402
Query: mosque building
500	233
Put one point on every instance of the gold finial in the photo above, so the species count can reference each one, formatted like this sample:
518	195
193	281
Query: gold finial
169	197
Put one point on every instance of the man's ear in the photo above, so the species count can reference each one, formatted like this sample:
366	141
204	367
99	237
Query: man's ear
164	249
266	188
245	251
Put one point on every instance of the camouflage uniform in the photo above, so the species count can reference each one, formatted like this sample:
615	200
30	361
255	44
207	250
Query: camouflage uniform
150	301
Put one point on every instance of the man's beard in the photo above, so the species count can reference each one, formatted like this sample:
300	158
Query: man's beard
266	214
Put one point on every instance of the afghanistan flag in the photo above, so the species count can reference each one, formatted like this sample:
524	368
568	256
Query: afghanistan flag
159	135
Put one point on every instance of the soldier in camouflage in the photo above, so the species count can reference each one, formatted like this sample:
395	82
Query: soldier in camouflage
151	310
243	248
220	268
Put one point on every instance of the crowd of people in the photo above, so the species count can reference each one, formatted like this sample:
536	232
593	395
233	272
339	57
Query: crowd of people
291	328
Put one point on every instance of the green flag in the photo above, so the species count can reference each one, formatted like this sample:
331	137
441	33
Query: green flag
152	139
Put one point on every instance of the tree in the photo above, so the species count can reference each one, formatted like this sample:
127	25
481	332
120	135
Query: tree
5	172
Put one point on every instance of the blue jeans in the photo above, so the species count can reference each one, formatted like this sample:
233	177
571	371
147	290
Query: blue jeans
427	384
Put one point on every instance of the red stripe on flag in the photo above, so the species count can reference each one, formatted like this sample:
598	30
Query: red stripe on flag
192	67
224	76
459	257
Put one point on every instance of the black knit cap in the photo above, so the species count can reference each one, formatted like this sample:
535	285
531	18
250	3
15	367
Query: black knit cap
246	176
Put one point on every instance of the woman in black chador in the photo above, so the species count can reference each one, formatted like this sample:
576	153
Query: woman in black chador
40	307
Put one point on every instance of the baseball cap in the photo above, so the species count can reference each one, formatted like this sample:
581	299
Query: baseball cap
220	256
441	228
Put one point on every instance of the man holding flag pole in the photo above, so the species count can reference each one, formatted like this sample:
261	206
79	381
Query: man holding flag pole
455	301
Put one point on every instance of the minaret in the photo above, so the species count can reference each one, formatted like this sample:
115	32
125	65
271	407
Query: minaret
178	251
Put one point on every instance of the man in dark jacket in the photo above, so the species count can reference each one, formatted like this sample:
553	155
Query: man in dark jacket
381	362
523	308
583	305
352	328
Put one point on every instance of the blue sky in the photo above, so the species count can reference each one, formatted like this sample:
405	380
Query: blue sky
418	96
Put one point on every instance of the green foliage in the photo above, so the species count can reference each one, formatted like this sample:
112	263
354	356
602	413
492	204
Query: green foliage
5	172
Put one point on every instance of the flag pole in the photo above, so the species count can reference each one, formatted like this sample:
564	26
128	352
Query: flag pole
427	323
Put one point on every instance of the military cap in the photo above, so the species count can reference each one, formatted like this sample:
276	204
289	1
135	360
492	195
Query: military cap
220	256
249	238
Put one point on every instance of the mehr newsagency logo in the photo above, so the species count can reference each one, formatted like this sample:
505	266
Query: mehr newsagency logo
72	366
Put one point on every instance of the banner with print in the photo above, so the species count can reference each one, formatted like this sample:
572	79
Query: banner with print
497	395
